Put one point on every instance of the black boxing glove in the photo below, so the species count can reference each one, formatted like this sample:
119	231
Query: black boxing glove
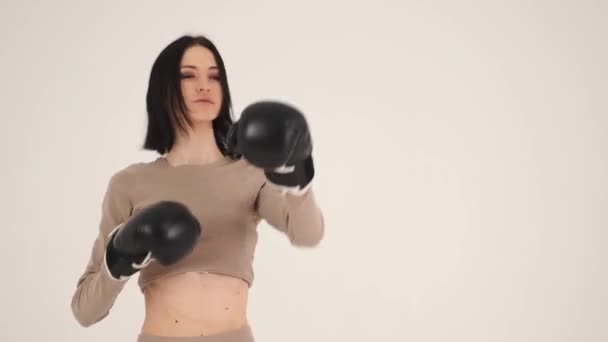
275	137
166	232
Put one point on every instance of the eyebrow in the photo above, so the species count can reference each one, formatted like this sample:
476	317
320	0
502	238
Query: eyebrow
193	67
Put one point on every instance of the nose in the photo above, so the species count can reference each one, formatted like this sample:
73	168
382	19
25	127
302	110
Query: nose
202	86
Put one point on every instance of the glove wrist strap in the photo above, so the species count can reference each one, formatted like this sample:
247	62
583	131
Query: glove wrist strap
295	179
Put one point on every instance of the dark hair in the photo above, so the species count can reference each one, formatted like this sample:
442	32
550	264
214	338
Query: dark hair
165	103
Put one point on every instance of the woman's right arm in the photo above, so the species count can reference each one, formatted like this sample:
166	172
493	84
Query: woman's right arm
96	288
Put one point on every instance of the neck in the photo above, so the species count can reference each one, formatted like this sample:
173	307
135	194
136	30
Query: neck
197	146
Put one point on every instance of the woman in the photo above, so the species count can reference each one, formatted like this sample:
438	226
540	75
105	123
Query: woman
186	222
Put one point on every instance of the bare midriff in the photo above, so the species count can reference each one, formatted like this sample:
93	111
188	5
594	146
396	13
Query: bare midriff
195	304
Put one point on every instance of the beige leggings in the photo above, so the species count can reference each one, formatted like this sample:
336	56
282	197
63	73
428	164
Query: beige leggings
243	334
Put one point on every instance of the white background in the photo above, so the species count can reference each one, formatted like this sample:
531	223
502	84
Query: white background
461	149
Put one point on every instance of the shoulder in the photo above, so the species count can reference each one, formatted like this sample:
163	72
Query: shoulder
240	171
246	169
125	176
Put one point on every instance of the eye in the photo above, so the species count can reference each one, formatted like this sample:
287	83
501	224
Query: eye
215	77
186	76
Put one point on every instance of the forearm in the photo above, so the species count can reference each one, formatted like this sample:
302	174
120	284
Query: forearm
94	297
298	216
305	225
96	289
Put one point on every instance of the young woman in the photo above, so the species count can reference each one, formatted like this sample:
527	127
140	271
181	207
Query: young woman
186	222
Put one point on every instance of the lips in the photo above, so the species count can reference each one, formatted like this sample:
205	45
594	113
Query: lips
203	101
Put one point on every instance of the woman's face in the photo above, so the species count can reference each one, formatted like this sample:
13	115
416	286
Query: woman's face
200	83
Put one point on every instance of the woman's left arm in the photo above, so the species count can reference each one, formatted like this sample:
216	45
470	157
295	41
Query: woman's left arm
275	137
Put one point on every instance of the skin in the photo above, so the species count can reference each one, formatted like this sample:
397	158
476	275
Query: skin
193	303
199	80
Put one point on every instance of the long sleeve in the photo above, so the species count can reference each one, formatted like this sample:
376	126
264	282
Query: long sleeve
298	216
96	290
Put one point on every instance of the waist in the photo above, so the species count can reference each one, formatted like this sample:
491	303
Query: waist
195	304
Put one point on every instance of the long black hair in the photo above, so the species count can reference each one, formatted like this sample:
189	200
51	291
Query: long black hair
165	103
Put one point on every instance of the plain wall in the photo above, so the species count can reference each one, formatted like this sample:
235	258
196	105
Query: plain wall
461	150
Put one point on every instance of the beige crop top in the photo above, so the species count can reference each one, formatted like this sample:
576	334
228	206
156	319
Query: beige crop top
229	198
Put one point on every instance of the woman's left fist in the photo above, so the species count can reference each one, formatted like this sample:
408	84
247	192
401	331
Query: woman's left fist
275	137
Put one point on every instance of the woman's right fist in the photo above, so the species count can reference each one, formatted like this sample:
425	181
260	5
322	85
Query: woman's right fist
166	232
